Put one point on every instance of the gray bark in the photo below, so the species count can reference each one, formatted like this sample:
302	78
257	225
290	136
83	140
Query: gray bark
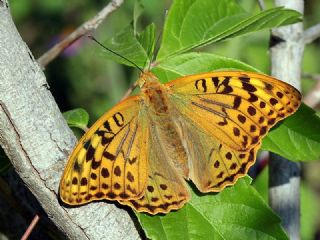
37	140
284	176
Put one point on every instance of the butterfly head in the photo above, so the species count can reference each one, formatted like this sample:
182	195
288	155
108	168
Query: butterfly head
147	77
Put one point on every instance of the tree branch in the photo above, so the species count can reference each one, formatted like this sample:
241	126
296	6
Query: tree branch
82	30
284	175
312	99
262	5
32	225
312	34
36	138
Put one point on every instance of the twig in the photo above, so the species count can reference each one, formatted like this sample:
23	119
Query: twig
312	76
262	5
34	222
83	29
311	34
129	91
313	97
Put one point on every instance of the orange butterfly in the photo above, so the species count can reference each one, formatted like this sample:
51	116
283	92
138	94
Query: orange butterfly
206	128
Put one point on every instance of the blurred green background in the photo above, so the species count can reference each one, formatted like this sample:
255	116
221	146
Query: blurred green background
83	77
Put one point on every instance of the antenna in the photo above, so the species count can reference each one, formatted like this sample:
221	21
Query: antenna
108	49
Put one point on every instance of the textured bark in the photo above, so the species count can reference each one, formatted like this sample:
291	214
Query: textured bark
37	140
287	45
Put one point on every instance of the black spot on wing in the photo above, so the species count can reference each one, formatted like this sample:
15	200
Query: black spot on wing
253	98
90	153
118	119
109	155
248	87
244	78
215	81
107	126
86	144
226	87
77	167
236	102
201	85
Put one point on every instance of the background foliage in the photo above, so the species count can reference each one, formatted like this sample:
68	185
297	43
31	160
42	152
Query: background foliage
83	77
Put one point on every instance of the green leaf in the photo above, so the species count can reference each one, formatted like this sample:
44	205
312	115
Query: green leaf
192	63
137	11
146	39
238	212
127	45
309	211
195	23
78	118
297	138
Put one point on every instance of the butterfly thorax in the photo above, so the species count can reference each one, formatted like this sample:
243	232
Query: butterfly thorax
155	94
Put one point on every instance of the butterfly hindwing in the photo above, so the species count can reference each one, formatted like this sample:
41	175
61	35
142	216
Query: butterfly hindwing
166	189
110	160
238	108
213	165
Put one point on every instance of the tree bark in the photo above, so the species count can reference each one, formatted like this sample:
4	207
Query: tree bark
287	45
36	138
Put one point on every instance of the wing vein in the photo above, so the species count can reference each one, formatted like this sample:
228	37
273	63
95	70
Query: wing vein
209	109
128	153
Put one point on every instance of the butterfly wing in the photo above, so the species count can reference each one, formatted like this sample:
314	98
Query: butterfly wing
166	189
223	117
238	108
213	165
110	160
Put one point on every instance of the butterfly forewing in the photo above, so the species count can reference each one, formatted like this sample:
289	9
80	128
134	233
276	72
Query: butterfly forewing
110	160
238	108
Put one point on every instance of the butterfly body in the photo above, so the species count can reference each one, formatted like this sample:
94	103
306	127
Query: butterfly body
206	128
161	117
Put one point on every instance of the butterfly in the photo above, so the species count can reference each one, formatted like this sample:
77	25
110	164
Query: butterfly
205	128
